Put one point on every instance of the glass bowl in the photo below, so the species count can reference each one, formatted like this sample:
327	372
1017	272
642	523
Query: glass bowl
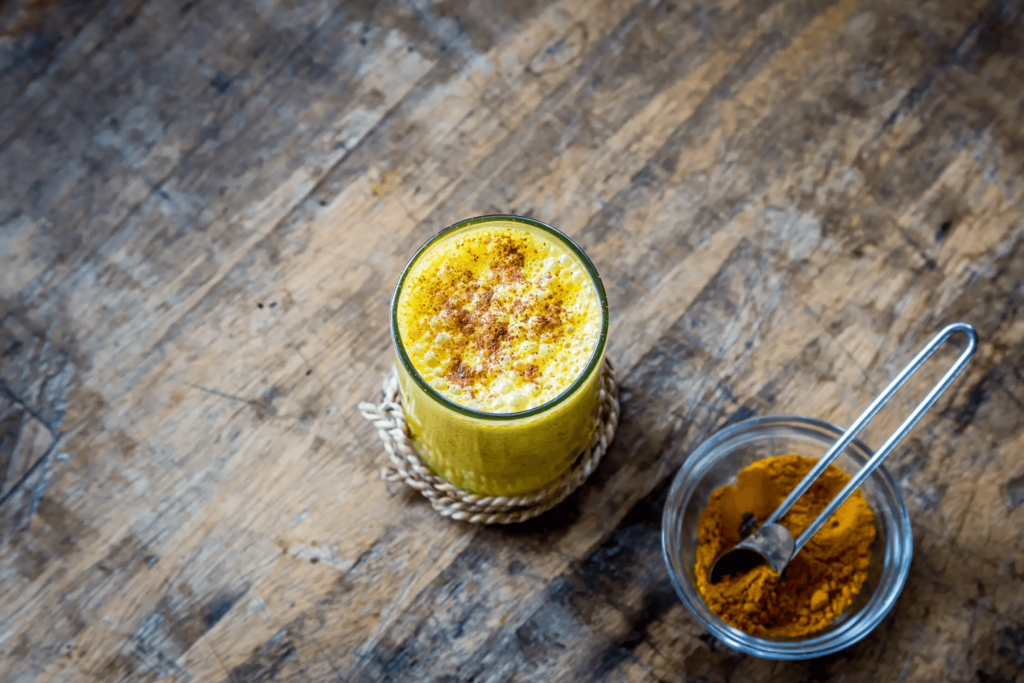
716	463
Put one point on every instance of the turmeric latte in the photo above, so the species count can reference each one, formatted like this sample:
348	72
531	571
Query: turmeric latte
819	583
499	320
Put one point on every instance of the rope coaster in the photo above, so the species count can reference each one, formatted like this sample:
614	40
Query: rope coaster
451	501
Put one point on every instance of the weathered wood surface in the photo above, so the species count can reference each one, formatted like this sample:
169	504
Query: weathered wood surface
204	207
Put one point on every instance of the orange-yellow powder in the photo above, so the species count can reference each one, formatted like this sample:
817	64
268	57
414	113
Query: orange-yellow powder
819	583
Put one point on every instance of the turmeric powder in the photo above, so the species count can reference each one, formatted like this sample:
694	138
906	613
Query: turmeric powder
819	583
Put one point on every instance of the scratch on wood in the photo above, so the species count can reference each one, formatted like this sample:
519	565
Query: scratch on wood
41	469
231	397
1015	491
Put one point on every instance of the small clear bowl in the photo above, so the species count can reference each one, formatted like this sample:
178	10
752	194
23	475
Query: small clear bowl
717	462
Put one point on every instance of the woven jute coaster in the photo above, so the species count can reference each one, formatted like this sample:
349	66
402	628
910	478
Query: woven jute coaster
451	501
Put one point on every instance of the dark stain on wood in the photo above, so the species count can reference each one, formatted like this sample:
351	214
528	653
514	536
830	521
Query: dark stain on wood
125	444
1002	654
121	555
1015	491
221	82
218	608
70	531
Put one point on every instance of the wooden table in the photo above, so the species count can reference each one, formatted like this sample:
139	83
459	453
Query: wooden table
204	207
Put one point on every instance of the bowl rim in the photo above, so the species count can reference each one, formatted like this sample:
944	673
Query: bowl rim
849	632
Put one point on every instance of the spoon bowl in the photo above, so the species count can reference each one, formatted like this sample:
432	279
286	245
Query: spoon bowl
771	544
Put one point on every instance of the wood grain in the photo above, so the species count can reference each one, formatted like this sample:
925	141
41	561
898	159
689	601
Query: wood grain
204	207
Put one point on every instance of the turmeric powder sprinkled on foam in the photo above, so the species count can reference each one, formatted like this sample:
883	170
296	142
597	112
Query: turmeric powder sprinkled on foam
819	583
500	320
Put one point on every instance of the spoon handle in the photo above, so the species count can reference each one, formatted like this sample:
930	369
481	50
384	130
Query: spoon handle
893	441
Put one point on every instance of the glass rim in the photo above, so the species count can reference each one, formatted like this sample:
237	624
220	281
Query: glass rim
592	364
847	633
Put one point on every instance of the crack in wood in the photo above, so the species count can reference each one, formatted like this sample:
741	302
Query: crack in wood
231	397
43	463
14	398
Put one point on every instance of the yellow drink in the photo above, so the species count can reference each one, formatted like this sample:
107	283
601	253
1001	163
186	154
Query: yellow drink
500	325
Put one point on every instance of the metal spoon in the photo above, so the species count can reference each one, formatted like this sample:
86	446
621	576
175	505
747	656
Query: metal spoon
772	542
